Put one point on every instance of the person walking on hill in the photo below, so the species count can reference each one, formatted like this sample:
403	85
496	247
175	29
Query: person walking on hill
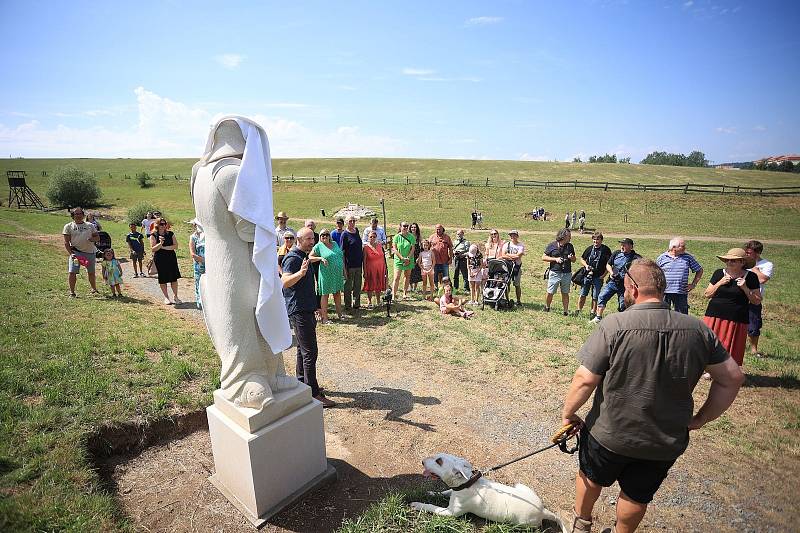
676	264
560	254
642	366
763	270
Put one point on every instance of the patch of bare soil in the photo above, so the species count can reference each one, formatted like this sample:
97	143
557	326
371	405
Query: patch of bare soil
394	411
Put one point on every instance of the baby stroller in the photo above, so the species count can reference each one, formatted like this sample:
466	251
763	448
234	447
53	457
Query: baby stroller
501	275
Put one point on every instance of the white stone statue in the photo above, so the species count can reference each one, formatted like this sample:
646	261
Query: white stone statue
241	294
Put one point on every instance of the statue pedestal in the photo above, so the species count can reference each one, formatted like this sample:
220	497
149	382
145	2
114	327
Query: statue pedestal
264	471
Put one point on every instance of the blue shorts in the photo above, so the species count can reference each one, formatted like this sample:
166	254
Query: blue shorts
73	267
443	269
595	286
754	327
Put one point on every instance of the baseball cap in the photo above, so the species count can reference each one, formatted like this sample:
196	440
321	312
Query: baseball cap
626	241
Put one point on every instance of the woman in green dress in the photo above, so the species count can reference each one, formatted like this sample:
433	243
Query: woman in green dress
331	273
403	253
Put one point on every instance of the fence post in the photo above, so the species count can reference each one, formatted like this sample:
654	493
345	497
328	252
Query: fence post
723	188
487	182
358	179
435	180
384	181
686	189
406	180
576	185
313	179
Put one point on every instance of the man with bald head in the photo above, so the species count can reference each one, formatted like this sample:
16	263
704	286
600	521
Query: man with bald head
642	366
301	302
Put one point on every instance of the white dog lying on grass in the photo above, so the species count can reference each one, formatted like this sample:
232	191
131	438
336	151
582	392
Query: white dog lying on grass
484	498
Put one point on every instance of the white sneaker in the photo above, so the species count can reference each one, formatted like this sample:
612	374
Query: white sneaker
596	320
177	300
167	301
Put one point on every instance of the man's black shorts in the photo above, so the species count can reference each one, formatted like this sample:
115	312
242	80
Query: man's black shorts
638	478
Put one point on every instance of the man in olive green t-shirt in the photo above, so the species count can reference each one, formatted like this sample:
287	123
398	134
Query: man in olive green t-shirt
642	365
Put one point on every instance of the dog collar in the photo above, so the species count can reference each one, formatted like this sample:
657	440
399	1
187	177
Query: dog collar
476	475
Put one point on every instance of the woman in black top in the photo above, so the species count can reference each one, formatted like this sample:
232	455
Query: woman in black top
163	245
416	272
731	291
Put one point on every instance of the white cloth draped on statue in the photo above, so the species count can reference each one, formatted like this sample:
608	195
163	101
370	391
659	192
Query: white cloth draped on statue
252	201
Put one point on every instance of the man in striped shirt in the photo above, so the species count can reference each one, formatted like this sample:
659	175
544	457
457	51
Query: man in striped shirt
676	264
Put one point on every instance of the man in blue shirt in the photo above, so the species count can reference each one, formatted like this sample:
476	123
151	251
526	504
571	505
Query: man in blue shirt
336	235
676	264
353	250
617	267
301	302
379	231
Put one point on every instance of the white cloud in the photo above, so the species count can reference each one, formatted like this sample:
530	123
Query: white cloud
418	71
528	157
760	128
167	128
229	61
726	129
482	21
690	3
438	78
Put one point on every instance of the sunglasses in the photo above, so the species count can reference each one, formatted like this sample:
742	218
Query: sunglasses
289	238
628	275
405	225
324	235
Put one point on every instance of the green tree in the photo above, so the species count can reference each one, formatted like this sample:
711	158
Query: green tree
72	187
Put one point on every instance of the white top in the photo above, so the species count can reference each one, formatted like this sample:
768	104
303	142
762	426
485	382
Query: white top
79	235
147	225
511	248
766	268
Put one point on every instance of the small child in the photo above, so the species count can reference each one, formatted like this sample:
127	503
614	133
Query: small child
112	272
135	242
425	262
475	265
448	305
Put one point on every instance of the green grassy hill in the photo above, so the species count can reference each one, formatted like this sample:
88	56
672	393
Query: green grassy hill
427	169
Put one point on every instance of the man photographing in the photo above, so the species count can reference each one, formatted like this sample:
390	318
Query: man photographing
644	364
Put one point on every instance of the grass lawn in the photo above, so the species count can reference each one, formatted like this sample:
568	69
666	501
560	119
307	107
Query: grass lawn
69	367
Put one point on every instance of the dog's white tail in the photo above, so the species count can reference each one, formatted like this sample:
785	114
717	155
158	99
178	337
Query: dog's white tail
548	515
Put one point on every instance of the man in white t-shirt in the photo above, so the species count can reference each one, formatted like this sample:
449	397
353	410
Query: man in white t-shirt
147	224
514	250
79	239
763	270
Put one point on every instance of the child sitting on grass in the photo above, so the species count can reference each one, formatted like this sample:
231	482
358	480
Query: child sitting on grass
448	305
112	272
425	262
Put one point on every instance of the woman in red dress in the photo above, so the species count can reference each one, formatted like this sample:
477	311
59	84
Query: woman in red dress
374	270
730	291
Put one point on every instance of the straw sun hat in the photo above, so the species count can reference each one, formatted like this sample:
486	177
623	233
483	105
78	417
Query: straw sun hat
738	253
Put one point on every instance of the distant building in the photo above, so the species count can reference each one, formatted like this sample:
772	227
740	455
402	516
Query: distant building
778	159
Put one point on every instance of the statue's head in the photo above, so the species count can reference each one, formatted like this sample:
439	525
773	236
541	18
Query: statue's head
228	141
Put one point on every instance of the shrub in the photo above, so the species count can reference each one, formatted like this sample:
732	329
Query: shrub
144	179
72	187
137	212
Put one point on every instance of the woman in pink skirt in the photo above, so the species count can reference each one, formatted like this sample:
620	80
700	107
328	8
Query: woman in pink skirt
374	269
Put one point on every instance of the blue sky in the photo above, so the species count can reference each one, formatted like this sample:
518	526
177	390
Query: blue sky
519	80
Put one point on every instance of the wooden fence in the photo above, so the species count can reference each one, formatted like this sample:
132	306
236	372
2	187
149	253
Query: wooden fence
525	183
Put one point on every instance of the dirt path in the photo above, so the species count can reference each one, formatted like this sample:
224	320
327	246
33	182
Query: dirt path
397	406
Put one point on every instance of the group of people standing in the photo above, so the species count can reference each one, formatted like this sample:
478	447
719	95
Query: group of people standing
81	236
735	292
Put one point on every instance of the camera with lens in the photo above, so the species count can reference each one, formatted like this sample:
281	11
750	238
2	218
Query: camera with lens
387	296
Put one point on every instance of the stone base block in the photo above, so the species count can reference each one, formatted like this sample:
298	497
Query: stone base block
263	472
251	420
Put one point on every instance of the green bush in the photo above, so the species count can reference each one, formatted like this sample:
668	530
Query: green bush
144	180
137	212
72	187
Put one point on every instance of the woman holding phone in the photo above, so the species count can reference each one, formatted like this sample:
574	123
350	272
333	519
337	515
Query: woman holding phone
163	245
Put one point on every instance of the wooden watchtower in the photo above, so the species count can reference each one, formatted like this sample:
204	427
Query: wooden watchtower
19	192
